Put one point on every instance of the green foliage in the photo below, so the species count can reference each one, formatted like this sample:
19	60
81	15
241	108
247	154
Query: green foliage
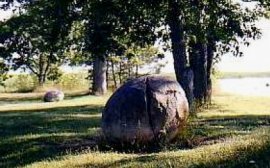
55	73
142	56
36	36
29	83
129	65
74	81
20	83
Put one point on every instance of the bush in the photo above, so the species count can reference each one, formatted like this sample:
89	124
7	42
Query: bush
23	83
74	81
20	83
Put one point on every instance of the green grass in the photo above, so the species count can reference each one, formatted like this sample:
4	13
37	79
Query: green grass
234	132
15	98
35	131
242	74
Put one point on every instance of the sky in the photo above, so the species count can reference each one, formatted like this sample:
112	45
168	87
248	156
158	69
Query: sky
256	57
5	14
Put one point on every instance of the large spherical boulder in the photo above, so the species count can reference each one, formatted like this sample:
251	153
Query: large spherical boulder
145	110
54	96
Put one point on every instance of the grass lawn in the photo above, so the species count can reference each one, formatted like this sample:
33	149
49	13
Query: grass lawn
243	74
33	96
234	132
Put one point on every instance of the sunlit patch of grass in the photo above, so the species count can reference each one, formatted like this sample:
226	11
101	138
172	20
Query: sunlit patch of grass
87	159
39	106
234	105
242	74
236	151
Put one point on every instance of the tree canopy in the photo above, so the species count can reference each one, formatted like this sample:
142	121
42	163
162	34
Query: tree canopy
197	32
34	38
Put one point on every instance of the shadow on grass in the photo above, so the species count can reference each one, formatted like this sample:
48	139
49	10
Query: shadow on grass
87	109
28	137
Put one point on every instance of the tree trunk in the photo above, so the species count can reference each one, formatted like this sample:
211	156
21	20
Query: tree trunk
107	74
41	79
99	77
199	66
210	56
42	70
136	70
189	78
113	75
179	47
120	74
129	69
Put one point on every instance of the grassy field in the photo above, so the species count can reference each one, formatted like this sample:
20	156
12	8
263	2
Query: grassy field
7	98
233	132
242	74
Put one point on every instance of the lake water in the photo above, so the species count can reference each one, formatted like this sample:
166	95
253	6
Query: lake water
246	86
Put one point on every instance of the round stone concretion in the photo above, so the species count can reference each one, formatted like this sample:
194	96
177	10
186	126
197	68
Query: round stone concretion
145	110
54	96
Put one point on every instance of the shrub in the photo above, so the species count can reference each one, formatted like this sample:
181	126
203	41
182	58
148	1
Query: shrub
21	83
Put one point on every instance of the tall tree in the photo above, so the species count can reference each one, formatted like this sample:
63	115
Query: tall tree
100	39
34	38
214	24
110	28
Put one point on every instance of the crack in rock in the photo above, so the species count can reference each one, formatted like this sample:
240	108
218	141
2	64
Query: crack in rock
148	100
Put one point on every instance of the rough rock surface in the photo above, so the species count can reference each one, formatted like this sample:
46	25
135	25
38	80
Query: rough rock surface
54	96
146	109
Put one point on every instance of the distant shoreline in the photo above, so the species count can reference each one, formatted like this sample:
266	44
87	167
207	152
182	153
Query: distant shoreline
226	75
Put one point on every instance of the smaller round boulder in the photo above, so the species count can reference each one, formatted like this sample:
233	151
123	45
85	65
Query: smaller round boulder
54	96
